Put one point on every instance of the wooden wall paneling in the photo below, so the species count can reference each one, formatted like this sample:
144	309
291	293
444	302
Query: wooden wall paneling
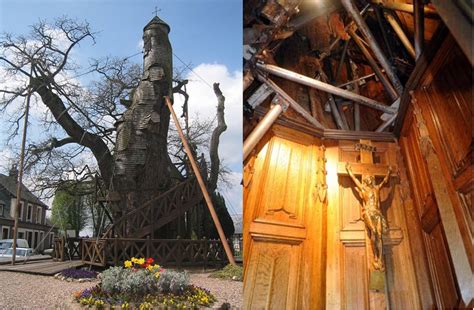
347	278
414	230
441	277
334	277
448	204
444	98
284	229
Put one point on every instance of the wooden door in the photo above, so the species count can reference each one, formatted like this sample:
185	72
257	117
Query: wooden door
284	226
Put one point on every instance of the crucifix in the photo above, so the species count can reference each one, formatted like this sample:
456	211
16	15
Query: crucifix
369	192
156	11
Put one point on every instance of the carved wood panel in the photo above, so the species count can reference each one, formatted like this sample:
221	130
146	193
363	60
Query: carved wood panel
284	194
348	273
441	275
437	148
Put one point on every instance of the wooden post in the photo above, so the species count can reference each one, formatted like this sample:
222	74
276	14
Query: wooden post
228	252
373	64
262	127
352	10
401	34
20	172
419	27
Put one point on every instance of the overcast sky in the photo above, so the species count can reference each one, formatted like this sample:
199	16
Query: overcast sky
205	33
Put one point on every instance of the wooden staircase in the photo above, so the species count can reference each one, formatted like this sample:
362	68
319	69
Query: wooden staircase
157	212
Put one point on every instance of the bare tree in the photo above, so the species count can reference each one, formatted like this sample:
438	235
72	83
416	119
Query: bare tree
82	120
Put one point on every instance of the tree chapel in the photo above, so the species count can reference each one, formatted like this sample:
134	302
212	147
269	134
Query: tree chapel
358	154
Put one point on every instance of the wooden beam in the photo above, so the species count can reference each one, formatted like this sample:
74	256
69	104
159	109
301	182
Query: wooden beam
401	34
299	78
354	13
419	21
330	134
340	120
365	169
291	102
262	127
421	65
460	26
259	95
197	172
373	64
405	7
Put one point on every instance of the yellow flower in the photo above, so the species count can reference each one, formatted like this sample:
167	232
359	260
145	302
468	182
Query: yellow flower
140	261
134	260
125	305
128	264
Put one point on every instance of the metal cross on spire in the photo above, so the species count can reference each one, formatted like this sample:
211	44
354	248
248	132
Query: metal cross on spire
156	11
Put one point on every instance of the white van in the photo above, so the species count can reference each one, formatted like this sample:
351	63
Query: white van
8	244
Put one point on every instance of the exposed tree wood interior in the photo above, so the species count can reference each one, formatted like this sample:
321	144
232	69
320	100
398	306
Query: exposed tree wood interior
428	141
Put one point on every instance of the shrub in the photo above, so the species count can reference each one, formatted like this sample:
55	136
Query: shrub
172	281
128	281
230	272
78	273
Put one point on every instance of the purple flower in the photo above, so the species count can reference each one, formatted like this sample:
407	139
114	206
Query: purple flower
78	273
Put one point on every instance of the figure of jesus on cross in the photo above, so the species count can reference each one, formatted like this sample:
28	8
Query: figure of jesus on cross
373	218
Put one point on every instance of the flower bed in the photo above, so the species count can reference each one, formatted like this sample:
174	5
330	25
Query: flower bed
144	285
79	275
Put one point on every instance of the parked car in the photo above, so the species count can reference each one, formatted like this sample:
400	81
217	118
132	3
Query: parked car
20	252
8	244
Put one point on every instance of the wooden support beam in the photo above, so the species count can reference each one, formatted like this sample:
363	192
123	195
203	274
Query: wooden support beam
299	78
341	62
352	70
356	80
455	16
387	123
259	95
392	92
352	10
262	127
291	102
405	7
197	172
336	40
247	79
339	118
400	33
419	21
379	15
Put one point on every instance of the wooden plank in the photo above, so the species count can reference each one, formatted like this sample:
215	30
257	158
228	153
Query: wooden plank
42	268
364	168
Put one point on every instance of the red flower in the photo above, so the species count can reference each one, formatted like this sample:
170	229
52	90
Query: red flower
145	265
149	261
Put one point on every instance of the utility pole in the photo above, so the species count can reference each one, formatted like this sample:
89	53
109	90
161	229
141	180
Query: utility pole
20	169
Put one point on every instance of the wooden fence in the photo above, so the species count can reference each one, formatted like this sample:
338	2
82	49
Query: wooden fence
158	211
166	252
67	248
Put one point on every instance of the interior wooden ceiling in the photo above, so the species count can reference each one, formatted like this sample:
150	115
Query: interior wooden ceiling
274	33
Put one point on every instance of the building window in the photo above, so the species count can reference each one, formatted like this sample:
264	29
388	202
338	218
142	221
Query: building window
29	213
20	214
5	233
2	209
39	215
